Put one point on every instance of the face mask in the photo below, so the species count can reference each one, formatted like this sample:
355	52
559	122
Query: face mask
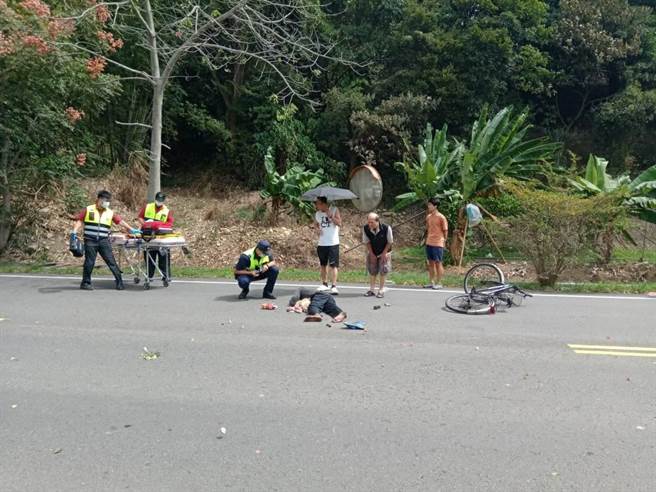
159	204
104	204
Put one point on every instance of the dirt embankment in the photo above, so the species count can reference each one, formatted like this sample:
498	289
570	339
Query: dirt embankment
217	228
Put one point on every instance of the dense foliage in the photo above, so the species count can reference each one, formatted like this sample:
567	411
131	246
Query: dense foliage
582	69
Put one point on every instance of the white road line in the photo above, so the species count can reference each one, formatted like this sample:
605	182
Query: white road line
354	287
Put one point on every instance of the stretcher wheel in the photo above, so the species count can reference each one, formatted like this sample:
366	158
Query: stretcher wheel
165	282
137	280
146	286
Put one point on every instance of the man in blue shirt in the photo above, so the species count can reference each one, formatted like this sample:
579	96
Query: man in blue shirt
257	264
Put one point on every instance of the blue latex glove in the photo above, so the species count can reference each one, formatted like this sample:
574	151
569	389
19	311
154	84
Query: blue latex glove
135	231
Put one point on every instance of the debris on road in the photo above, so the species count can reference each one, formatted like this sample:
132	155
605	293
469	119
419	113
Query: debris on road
148	355
377	306
14	406
57	451
356	325
387	304
13	359
640	427
222	432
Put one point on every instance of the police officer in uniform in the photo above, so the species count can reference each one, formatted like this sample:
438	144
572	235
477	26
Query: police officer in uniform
157	212
257	264
97	220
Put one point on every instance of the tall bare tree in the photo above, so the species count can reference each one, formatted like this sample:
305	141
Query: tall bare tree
279	37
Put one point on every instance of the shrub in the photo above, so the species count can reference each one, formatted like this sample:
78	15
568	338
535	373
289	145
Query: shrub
555	228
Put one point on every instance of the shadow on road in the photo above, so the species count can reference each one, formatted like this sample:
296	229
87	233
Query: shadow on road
107	286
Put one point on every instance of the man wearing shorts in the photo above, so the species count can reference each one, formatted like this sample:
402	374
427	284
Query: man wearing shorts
328	222
378	239
437	231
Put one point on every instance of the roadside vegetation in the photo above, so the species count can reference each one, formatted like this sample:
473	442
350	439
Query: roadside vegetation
540	113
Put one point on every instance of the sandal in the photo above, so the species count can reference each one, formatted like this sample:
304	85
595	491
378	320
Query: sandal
370	293
380	295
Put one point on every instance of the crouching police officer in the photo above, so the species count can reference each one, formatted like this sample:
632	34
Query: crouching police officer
97	220
257	264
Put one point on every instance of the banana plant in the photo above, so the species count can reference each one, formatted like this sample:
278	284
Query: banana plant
638	196
498	147
288	187
428	174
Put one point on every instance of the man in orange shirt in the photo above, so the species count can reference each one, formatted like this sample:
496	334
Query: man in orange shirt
437	231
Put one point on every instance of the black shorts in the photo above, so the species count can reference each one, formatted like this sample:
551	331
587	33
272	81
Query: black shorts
328	255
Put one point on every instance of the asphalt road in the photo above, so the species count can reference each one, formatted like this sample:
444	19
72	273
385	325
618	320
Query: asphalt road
423	400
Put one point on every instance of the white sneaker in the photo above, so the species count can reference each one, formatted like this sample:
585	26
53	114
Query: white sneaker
322	288
437	286
334	291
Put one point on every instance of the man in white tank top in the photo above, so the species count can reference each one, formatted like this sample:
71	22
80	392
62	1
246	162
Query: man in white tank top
328	221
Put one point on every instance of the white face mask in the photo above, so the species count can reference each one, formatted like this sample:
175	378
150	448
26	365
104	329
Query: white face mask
159	204
104	204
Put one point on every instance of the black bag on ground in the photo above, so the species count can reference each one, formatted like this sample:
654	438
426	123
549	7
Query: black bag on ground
75	246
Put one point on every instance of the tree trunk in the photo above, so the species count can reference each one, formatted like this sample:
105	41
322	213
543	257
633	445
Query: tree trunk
6	225
276	203
458	237
155	142
607	239
157	106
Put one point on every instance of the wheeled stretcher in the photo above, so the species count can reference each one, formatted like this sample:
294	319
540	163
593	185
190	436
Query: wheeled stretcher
136	253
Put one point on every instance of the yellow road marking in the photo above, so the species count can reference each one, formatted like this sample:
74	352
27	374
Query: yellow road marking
618	353
610	347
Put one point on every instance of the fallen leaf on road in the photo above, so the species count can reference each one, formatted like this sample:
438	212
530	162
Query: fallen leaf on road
148	355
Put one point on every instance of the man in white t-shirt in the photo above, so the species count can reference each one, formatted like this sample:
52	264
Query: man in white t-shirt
328	221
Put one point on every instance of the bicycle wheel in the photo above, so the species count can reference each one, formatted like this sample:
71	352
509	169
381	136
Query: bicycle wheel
483	276
465	304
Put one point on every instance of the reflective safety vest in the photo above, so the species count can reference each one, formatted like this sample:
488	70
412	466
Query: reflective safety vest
256	264
151	212
97	225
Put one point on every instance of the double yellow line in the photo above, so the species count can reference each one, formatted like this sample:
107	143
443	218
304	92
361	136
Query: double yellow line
613	350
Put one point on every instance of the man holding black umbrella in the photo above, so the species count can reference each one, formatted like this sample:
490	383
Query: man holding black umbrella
328	221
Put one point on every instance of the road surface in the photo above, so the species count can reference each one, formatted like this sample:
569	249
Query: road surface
423	400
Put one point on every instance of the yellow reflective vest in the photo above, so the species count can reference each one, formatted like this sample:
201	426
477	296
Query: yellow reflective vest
256	264
97	225
151	212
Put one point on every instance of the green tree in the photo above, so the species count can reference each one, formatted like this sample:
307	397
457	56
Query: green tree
499	146
48	93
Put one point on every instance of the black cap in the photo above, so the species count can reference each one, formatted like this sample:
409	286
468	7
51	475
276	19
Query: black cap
105	194
264	246
160	196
